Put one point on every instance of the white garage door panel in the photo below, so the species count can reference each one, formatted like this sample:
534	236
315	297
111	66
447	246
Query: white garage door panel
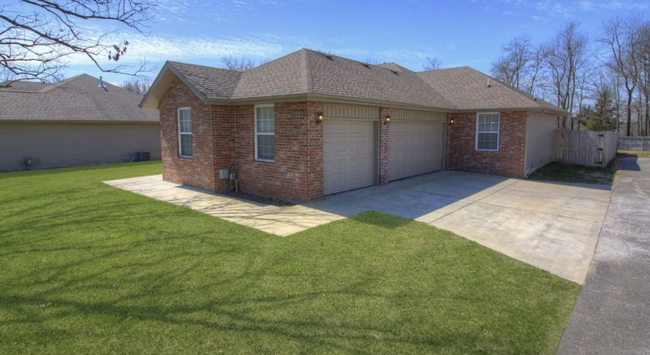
414	148
348	155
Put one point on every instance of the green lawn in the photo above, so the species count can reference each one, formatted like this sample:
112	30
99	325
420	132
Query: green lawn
576	173
634	153
89	269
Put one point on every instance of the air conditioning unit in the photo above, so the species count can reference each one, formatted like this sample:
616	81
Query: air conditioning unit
140	156
28	162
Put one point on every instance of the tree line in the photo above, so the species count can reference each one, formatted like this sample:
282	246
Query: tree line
603	81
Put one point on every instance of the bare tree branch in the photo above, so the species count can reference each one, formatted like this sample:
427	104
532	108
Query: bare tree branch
238	64
432	63
137	85
35	43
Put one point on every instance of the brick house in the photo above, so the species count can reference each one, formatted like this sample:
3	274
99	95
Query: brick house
311	124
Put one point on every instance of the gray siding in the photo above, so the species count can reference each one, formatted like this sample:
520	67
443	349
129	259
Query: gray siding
74	144
540	141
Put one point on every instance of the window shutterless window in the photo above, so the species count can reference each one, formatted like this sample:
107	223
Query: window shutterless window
265	133
185	132
487	131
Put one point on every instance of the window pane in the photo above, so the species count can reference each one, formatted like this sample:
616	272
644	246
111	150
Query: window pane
266	147
265	120
488	122
185	121
489	141
186	145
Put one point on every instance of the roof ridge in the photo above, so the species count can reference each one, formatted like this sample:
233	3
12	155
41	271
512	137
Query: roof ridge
61	84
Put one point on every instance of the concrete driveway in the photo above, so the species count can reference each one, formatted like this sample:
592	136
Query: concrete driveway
551	226
612	315
554	227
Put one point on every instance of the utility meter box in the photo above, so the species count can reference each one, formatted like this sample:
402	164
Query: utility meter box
223	173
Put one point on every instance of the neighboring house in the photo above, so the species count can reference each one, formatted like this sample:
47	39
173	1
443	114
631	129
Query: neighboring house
73	122
379	123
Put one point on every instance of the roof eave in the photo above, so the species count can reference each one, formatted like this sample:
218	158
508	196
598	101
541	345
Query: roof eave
558	111
323	98
30	120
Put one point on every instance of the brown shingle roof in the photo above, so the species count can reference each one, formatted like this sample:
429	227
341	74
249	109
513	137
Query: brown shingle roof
75	99
467	89
309	72
349	78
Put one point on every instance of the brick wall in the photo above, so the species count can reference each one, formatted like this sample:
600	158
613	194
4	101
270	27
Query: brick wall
199	170
297	173
461	145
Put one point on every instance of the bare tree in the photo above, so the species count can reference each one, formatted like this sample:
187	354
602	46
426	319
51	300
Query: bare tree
38	36
370	60
622	37
584	87
238	64
502	69
432	63
535	69
511	67
137	85
565	57
643	58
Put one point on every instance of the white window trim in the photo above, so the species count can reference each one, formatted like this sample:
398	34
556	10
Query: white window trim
178	127
263	134
498	132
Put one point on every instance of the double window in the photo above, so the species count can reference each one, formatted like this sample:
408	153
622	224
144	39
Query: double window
185	132
487	131
265	133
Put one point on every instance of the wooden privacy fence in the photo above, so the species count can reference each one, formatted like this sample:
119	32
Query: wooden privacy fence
634	143
588	148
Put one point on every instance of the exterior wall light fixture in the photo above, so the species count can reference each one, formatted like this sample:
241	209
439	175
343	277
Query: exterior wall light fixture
319	118
387	120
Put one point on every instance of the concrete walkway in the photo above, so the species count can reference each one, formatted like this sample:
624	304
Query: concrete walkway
281	221
612	315
551	226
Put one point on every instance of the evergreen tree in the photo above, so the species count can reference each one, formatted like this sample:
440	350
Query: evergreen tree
602	117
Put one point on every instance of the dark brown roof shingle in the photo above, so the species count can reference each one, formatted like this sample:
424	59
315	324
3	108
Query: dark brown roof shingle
310	72
75	99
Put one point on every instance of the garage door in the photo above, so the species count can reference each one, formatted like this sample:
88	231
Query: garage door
348	155
414	148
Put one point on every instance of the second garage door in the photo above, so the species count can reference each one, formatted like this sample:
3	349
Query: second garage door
414	148
348	155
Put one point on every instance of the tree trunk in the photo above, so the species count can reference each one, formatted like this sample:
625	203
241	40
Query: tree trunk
629	113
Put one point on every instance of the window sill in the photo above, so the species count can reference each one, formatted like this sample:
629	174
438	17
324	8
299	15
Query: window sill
265	160
487	150
185	156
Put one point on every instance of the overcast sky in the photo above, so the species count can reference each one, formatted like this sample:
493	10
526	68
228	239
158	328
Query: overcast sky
462	32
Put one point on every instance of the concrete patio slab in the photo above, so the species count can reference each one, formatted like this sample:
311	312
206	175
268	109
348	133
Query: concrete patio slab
551	226
281	221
